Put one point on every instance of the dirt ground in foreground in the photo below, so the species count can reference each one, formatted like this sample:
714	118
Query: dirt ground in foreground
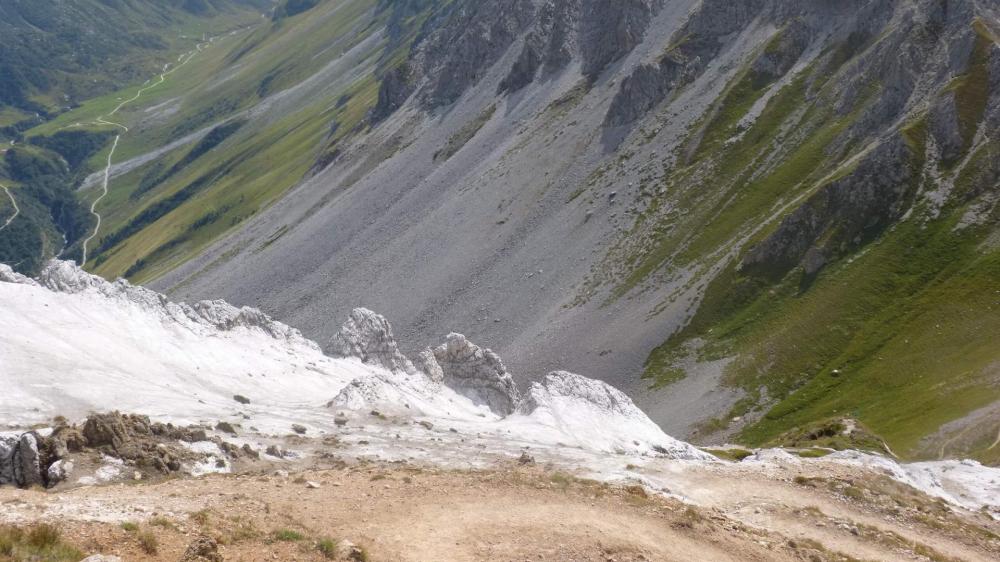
514	513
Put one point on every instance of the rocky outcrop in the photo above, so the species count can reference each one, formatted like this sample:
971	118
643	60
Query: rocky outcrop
944	128
600	416
29	467
427	363
610	30
46	459
396	87
564	385
457	53
699	41
841	216
25	460
368	336
477	374
116	432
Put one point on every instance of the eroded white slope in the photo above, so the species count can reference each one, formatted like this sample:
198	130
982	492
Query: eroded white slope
72	343
79	344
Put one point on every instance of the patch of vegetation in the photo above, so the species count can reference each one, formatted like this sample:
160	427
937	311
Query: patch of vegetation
327	547
129	526
41	543
49	208
148	542
733	454
812	453
75	146
162	522
288	535
290	8
214	138
972	90
837	434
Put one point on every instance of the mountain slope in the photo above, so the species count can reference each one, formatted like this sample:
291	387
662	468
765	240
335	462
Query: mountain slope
783	214
214	390
56	55
826	167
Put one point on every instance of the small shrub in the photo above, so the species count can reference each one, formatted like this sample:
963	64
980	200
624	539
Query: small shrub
44	536
560	479
41	543
200	517
130	527
288	535
162	522
327	547
148	542
854	493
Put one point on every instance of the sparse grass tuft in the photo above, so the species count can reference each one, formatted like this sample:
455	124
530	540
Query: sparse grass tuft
162	522
327	547
129	527
733	454
148	542
288	535
41	543
200	517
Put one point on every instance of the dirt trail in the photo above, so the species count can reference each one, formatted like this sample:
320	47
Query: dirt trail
17	210
406	513
770	499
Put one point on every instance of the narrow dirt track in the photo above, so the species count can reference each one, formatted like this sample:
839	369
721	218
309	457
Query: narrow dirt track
513	513
17	210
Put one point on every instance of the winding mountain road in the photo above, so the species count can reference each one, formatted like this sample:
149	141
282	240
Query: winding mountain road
17	210
182	60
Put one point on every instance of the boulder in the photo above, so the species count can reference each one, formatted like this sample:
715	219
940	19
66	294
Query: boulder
28	465
117	432
202	549
59	471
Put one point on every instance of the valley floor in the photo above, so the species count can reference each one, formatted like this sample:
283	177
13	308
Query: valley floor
513	512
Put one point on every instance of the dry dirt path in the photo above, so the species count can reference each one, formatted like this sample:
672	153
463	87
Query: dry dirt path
409	514
17	210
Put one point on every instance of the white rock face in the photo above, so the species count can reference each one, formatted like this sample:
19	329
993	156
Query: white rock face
74	343
59	471
477	373
368	336
595	412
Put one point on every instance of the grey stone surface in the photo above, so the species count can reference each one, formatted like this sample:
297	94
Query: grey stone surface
477	373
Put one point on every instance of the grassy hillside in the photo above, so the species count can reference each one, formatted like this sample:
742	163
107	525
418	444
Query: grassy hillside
56	54
245	119
891	318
